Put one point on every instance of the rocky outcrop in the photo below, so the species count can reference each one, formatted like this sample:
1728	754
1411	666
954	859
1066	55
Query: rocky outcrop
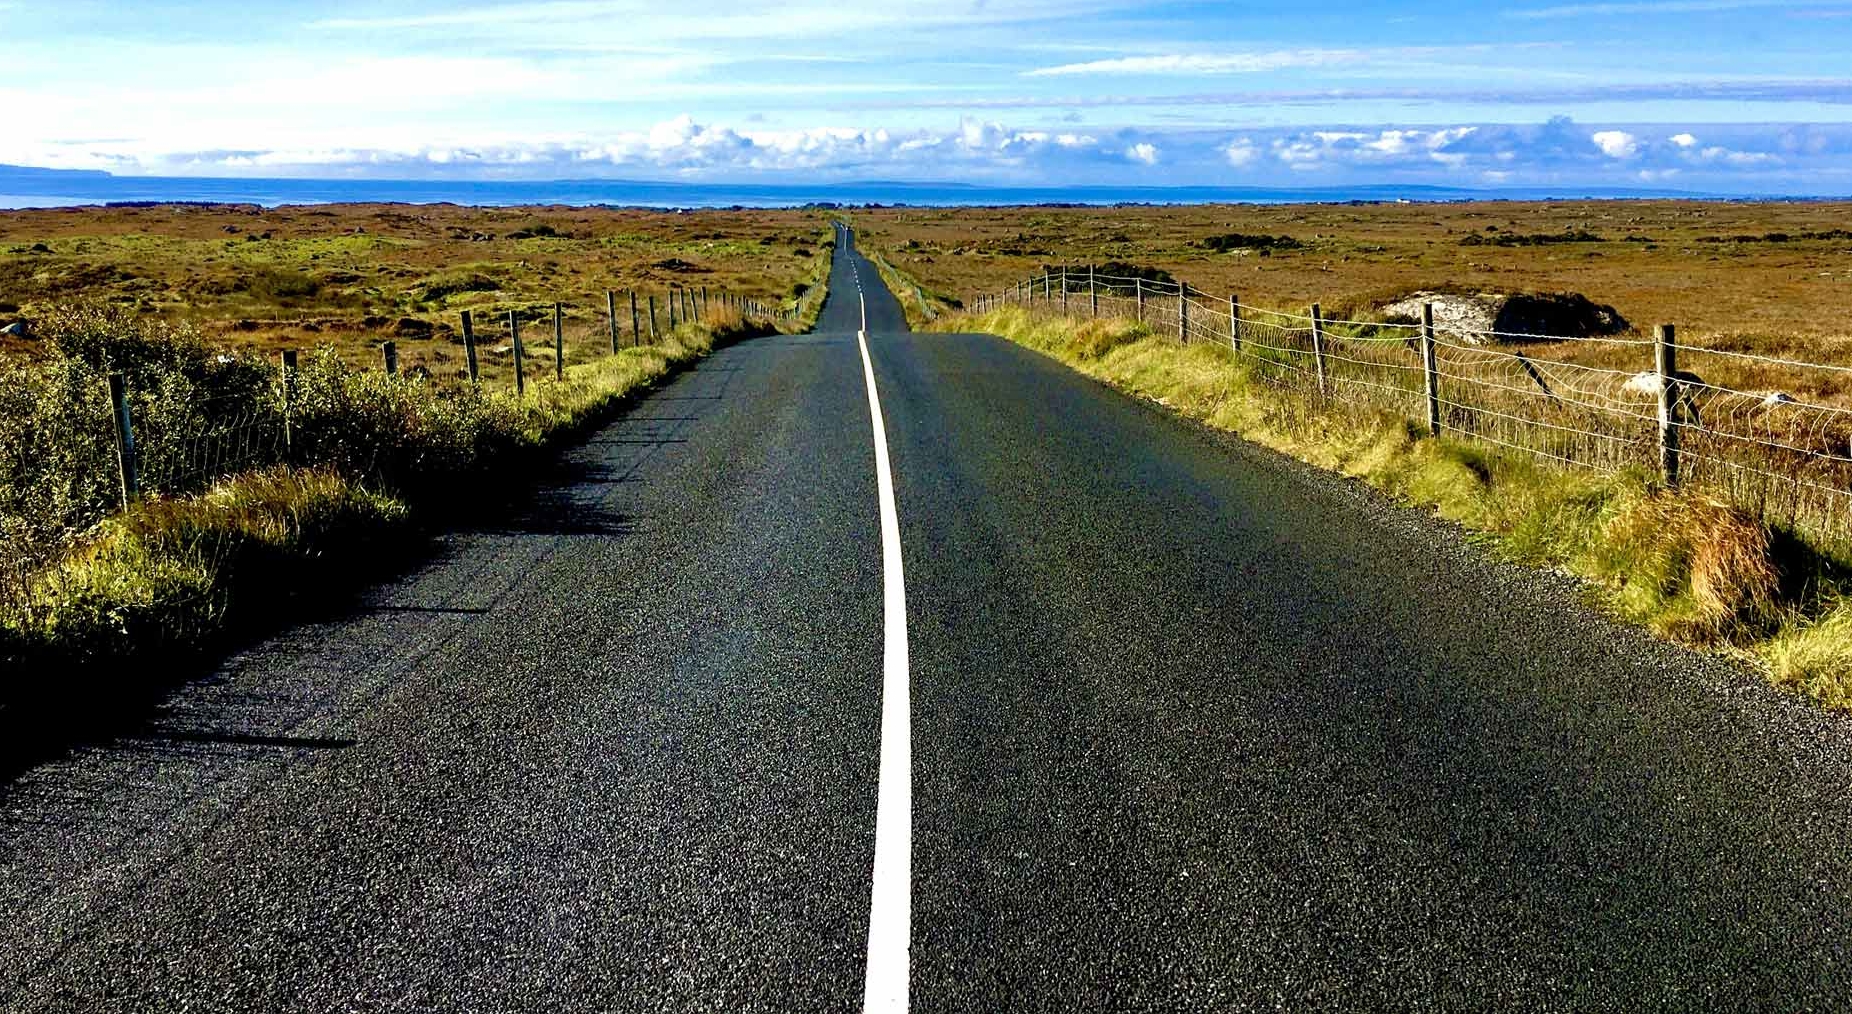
1500	318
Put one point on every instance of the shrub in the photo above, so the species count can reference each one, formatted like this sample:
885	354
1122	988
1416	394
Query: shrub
1244	241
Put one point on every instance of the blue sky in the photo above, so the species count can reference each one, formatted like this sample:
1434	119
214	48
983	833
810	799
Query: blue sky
1711	95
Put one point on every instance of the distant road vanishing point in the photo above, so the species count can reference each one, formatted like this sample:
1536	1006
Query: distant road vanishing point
869	669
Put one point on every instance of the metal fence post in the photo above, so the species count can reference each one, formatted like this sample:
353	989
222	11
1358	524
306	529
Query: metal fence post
1428	367
514	337
1318	346
287	366
559	345
469	346
1665	361
125	438
390	352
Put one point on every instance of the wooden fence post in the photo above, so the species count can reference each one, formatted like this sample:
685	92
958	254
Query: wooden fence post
1138	287
706	309
1183	313
1318	346
1428	367
652	318
610	313
390	352
1665	360
559	345
514	337
469	346
1064	288
1093	292
636	325
1234	323
125	438
286	369
287	366
671	302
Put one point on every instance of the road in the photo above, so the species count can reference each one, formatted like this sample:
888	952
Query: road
1193	727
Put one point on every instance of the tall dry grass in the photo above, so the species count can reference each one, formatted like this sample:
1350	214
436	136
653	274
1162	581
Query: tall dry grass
1692	566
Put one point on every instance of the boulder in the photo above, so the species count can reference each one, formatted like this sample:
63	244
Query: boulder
1506	318
1646	386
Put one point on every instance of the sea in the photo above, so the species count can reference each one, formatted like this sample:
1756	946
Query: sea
39	188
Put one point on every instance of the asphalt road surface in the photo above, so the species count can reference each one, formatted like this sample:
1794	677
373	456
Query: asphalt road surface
1192	728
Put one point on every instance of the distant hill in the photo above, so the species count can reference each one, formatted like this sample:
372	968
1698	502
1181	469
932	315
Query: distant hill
33	173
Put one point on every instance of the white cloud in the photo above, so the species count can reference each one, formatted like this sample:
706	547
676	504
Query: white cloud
1739	159
735	20
685	147
1616	143
1651	7
1260	61
1683	140
1221	63
1240	152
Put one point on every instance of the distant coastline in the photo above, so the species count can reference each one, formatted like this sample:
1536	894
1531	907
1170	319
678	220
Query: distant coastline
28	188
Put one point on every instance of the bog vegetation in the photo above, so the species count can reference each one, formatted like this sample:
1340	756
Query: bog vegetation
264	489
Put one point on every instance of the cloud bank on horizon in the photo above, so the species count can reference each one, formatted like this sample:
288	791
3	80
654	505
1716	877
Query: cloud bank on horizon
1734	96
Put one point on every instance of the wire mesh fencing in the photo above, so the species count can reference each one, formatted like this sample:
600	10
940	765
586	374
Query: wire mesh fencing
83	435
1762	432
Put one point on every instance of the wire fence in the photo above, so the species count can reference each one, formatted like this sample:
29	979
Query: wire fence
1725	421
83	437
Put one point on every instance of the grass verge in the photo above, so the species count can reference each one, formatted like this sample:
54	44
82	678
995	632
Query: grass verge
100	622
1688	567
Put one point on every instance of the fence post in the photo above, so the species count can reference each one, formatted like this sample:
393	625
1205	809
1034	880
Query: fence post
671	302
1093	292
1064	288
1234	323
514	337
1665	360
1427	366
287	362
706	310
636	325
125	438
1318	346
559	345
469	345
390	352
652	318
610	313
1138	287
1183	313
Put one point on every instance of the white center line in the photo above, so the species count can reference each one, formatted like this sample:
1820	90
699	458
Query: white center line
890	912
